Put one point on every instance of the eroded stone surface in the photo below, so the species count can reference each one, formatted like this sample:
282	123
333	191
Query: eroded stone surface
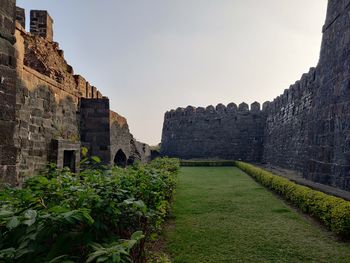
45	108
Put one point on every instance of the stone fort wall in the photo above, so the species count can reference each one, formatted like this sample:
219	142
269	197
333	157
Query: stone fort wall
306	129
8	151
223	132
48	107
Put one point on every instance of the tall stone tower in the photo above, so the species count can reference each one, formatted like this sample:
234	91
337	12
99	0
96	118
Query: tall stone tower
41	24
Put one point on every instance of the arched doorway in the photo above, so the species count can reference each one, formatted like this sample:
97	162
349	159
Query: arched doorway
120	159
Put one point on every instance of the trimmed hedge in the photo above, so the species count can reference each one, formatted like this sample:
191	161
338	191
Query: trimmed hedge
334	212
206	163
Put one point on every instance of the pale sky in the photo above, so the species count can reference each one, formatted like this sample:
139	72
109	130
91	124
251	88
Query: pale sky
150	56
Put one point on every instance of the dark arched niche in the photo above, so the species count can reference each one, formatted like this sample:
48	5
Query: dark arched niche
120	159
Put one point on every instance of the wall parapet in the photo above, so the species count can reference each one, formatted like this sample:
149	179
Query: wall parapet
220	109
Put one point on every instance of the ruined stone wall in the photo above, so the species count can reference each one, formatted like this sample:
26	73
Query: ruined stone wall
41	24
52	104
8	151
47	97
106	134
221	132
122	139
120	136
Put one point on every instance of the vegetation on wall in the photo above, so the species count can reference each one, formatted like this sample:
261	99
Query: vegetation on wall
334	212
100	215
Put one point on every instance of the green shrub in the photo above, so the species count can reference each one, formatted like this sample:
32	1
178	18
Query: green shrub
100	215
332	211
189	163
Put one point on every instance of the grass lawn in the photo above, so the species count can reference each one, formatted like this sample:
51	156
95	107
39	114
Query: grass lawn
222	215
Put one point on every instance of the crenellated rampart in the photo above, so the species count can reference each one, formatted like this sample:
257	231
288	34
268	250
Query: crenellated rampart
306	129
214	132
287	124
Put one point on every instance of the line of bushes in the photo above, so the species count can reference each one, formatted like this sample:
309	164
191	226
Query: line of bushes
192	163
100	215
334	212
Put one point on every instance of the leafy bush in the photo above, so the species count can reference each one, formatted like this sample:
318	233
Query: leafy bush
332	211
100	215
190	163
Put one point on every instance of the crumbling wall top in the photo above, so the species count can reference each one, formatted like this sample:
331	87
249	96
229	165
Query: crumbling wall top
21	16
41	24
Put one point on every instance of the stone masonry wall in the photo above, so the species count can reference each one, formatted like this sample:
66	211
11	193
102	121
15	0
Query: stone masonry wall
105	133
306	129
330	120
316	139
46	101
221	132
120	135
287	124
122	139
8	151
42	100
95	128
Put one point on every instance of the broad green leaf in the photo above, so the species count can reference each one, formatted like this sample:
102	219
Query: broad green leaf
138	235
84	151
102	259
13	223
29	214
129	201
92	257
8	253
5	213
116	258
139	204
60	259
31	217
96	159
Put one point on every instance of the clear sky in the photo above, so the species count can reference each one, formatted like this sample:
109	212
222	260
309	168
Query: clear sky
149	56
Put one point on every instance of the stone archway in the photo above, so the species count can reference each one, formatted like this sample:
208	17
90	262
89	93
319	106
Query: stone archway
120	159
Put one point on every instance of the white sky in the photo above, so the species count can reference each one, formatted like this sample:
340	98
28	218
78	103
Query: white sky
151	56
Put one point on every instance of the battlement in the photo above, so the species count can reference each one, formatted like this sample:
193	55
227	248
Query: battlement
301	88
227	132
219	109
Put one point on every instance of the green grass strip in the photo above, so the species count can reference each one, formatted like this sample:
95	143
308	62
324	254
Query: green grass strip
221	215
